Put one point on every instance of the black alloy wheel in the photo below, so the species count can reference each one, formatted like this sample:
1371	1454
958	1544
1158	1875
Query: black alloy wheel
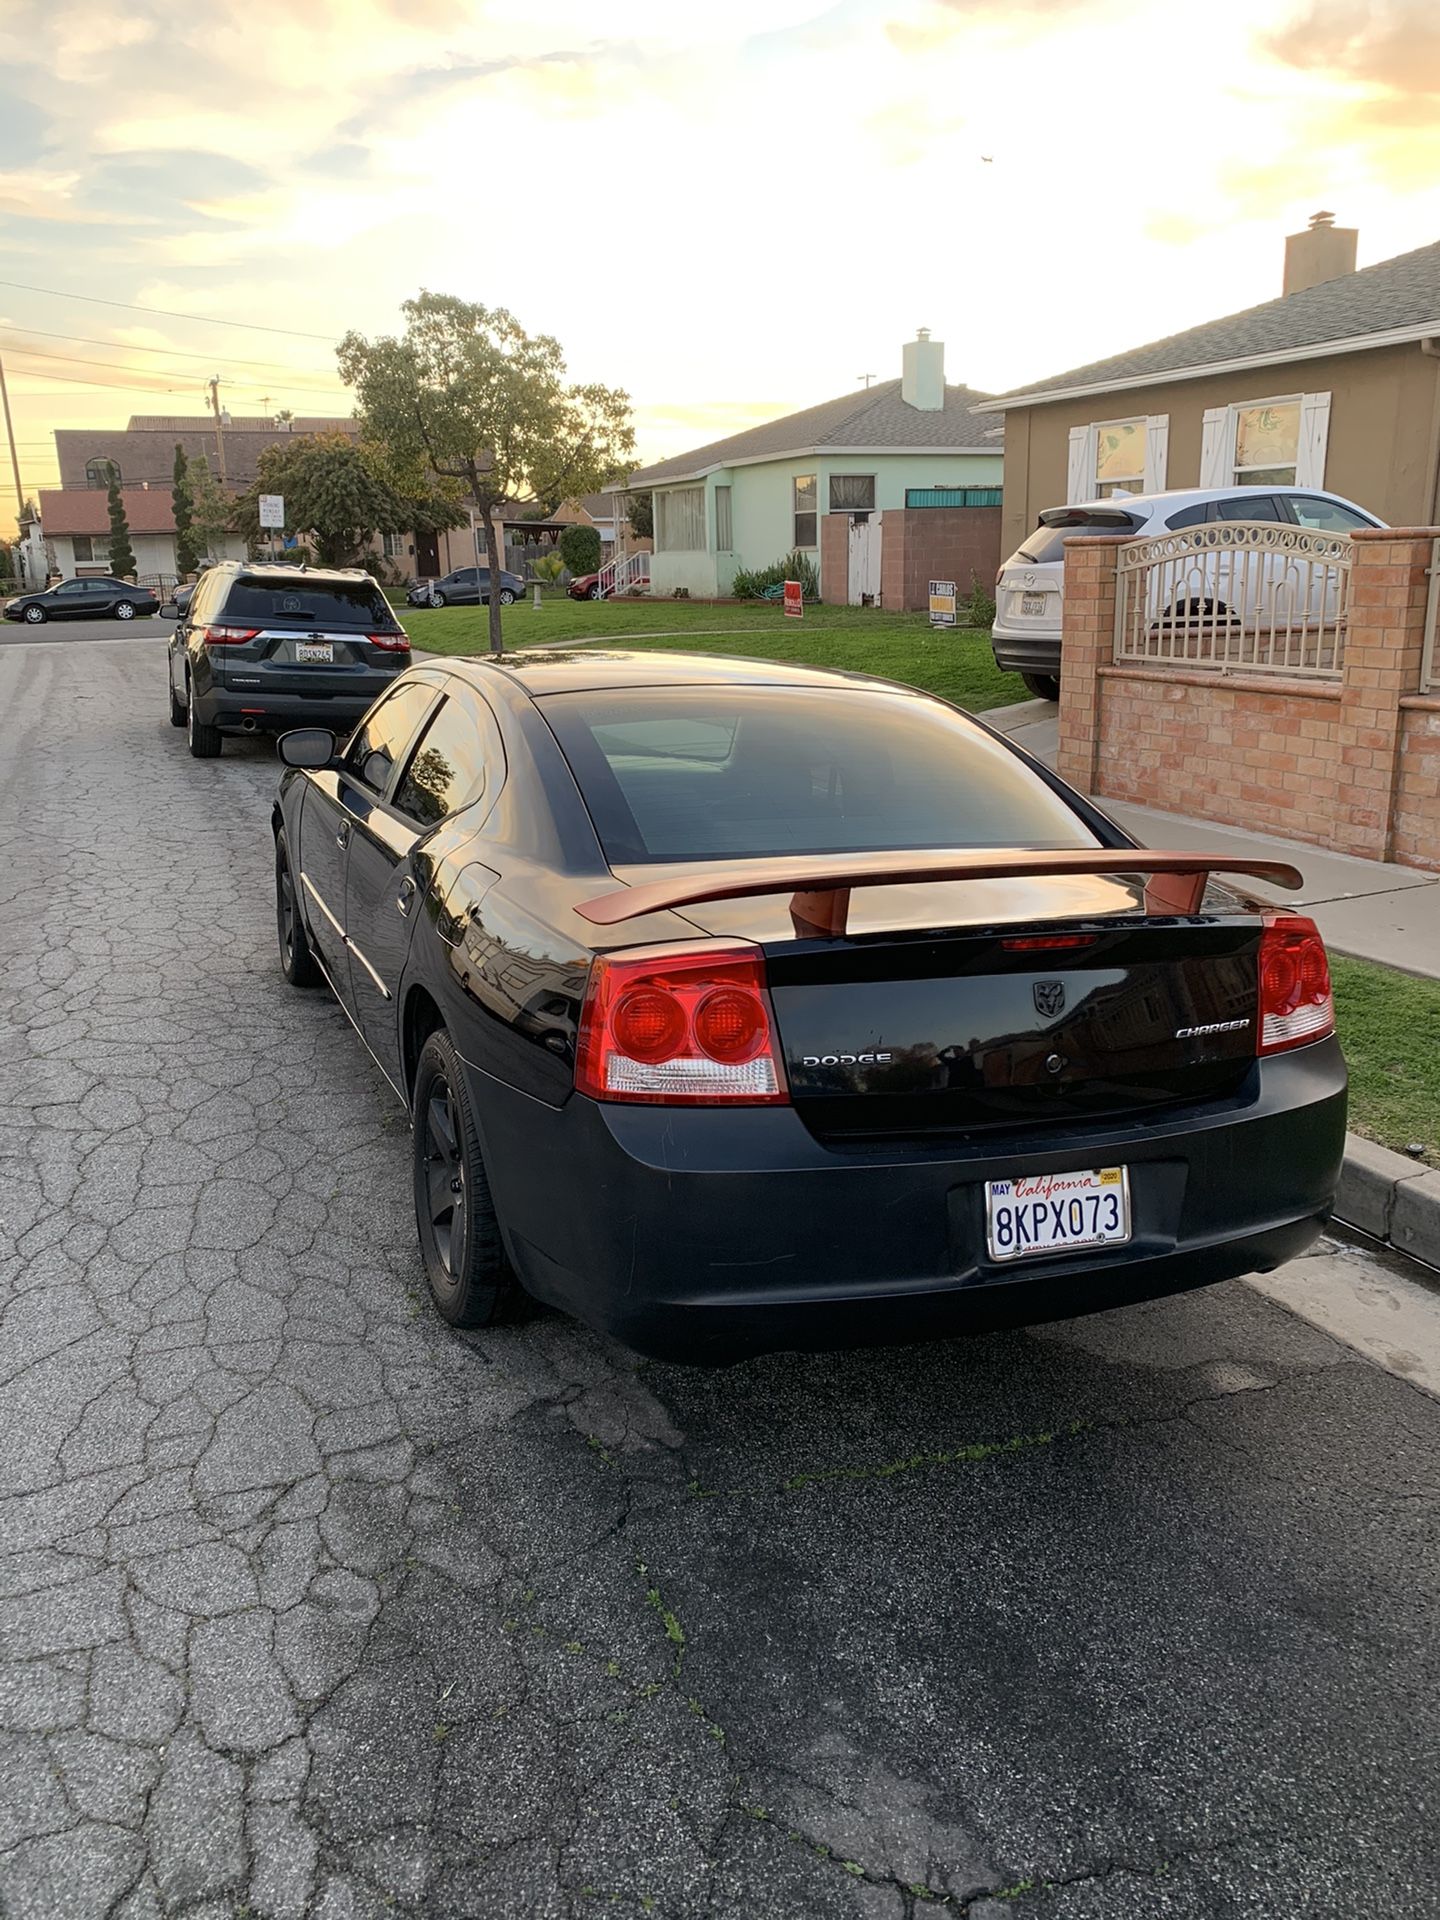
469	1277
297	962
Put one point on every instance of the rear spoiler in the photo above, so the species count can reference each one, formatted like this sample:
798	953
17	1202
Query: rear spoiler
821	890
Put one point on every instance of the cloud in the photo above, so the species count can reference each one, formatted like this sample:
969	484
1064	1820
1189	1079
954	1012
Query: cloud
1394	44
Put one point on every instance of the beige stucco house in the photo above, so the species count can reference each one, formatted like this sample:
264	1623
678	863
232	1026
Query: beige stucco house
1336	384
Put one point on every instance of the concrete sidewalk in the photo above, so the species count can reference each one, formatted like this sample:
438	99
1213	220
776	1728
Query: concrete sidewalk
1368	908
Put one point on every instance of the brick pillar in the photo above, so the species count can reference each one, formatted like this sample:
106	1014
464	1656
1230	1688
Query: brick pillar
835	558
1383	648
1087	644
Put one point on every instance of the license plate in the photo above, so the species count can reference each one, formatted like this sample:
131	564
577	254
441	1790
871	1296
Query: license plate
1057	1212
315	650
1033	602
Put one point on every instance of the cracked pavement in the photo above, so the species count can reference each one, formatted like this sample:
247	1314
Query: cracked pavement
312	1610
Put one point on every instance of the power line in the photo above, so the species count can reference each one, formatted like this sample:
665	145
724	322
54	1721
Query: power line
116	386
180	353
167	313
176	373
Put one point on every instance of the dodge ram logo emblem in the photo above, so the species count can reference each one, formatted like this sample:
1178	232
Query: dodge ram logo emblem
1049	997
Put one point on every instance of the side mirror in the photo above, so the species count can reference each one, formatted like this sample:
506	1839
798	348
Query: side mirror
307	747
170	611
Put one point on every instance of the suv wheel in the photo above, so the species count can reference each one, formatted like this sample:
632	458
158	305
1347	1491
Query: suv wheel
36	616
470	1278
297	962
1044	686
202	740
177	707
124	610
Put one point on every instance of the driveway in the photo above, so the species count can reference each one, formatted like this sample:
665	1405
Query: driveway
312	1610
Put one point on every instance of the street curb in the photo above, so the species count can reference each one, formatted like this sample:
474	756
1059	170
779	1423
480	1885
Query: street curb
1390	1197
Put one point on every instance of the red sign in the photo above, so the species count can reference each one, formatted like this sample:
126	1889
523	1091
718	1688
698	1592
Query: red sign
794	601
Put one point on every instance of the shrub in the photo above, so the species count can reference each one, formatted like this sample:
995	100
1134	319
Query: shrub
549	567
979	610
749	583
580	549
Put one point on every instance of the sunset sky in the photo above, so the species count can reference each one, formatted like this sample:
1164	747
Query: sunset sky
731	211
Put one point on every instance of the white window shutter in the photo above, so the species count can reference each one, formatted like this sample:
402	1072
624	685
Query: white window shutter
1217	448
1314	433
1157	451
1080	480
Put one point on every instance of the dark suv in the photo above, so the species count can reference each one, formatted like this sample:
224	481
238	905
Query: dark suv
262	648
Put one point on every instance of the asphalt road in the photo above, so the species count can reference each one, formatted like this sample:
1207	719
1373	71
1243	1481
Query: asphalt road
311	1610
16	632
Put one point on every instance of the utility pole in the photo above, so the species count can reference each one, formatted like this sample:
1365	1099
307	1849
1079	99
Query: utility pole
219	432
10	436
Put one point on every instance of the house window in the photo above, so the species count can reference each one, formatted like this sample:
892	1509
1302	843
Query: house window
852	493
393	545
724	528
806	505
97	472
1119	457
680	520
1267	444
91	550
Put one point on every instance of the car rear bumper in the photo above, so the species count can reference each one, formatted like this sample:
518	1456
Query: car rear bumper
706	1235
1018	650
249	709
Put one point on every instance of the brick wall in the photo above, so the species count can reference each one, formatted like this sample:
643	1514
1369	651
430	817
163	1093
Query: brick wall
922	544
835	558
1352	764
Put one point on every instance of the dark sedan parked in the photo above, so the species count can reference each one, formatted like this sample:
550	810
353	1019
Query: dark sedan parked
465	587
742	1006
99	598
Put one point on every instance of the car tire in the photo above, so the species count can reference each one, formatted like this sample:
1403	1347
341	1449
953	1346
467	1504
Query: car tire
1044	686
124	610
507	598
592	592
469	1277
36	616
297	961
202	740
177	707
437	599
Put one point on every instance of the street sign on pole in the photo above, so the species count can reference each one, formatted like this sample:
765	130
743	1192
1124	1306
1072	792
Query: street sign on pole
942	603
794	600
272	511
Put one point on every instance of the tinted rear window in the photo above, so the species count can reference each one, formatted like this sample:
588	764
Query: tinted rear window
679	774
298	601
1047	542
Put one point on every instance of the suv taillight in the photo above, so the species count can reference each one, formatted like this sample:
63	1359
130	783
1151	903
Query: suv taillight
227	636
1296	1004
396	642
682	1026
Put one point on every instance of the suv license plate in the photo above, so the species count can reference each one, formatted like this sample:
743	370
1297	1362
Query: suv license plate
1033	602
315	650
1057	1213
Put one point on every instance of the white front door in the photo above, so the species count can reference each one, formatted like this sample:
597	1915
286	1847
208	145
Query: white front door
864	575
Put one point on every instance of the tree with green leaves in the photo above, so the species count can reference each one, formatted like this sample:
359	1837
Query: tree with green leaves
580	549
182	506
467	396
122	555
339	492
212	510
640	512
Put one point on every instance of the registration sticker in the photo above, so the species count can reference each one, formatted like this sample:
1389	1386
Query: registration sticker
1057	1212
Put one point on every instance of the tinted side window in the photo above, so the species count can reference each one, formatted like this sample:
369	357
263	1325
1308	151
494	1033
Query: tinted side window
208	589
458	753
1260	506
389	728
1326	516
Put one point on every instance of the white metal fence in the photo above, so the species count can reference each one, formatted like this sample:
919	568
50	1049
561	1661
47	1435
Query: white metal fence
1238	596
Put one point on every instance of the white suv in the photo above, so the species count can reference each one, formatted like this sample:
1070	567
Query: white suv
1029	588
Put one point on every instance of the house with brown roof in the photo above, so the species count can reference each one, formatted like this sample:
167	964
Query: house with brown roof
826	482
1335	384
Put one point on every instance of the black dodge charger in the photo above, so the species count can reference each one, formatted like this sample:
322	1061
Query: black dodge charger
743	1006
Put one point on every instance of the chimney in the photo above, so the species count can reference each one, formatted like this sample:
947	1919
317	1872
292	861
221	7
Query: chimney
1324	252
922	373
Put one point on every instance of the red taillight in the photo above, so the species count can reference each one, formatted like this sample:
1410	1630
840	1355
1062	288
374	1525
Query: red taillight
390	642
1046	942
685	1025
227	636
1296	1004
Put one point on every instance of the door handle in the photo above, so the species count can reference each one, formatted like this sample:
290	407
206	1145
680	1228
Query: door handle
342	838
405	899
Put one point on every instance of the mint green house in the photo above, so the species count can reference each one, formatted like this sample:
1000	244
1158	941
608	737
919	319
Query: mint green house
823	481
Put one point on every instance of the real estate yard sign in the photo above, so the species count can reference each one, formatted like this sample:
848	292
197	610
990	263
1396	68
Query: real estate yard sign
794	600
942	603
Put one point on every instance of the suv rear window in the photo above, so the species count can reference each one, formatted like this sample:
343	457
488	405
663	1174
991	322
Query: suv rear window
298	600
718	773
1047	542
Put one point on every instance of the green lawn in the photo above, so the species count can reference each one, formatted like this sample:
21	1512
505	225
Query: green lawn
901	646
1390	1029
